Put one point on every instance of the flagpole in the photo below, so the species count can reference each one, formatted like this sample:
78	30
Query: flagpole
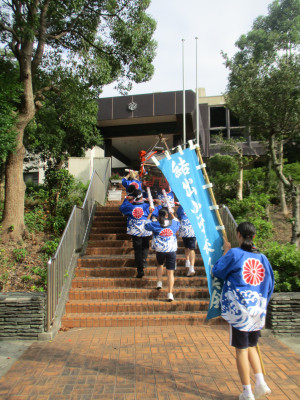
183	95
212	196
197	105
224	234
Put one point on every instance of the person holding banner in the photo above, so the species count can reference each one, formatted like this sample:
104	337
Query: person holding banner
248	286
137	213
132	178
187	233
165	244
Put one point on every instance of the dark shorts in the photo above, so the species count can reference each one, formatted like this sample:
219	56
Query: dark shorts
189	243
242	339
169	258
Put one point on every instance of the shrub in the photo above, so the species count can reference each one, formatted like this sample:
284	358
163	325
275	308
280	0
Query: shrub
19	254
285	261
35	220
50	247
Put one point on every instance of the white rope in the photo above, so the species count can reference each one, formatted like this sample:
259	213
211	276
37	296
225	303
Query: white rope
209	185
220	228
215	207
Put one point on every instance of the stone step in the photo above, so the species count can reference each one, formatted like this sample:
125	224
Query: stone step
117	272
135	293
84	320
110	218
130	306
145	282
124	241
122	250
108	229
124	260
109	236
113	224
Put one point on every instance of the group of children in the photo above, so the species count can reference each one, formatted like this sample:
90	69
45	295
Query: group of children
248	280
144	220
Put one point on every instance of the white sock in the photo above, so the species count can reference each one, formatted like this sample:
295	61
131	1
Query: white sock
259	379
247	390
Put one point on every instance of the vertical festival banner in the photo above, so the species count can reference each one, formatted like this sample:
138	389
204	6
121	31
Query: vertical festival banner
185	177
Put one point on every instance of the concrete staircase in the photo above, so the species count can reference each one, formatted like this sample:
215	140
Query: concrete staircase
105	291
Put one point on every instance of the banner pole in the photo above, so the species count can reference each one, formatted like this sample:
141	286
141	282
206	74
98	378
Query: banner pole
212	196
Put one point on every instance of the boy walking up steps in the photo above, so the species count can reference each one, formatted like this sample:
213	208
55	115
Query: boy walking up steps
165	244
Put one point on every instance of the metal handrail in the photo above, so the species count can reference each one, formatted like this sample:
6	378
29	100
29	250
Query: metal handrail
61	266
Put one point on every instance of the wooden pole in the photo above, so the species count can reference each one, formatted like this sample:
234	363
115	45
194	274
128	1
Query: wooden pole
212	196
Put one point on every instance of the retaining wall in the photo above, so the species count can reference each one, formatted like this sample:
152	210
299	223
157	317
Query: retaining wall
283	316
22	315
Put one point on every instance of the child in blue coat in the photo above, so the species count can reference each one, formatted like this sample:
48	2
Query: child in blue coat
187	233
137	213
165	245
132	178
248	286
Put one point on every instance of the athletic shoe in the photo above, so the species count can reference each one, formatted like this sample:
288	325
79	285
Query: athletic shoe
261	390
159	285
170	297
242	396
187	264
191	271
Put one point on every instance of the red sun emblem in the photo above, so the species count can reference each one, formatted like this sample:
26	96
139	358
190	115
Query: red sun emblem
166	232
253	271
138	212
136	185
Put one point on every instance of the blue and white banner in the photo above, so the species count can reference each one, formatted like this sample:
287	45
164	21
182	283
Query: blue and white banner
184	174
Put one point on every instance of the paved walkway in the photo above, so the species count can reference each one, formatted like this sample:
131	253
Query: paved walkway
144	363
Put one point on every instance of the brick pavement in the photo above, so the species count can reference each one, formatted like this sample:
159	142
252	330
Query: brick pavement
144	363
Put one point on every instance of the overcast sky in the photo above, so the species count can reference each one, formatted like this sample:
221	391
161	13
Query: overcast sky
217	23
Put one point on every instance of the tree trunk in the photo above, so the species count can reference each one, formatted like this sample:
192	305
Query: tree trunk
240	185
281	190
241	179
291	187
295	223
267	185
13	227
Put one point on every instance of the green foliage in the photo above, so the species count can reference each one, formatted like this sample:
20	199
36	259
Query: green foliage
285	261
26	278
253	209
42	273
19	254
35	220
50	247
10	90
223	173
256	182
292	170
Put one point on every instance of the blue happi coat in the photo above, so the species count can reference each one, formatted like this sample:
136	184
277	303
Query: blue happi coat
170	197
137	217
164	237
185	229
126	183
248	286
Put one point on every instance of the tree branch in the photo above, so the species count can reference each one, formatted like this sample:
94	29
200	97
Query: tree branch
42	38
10	30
